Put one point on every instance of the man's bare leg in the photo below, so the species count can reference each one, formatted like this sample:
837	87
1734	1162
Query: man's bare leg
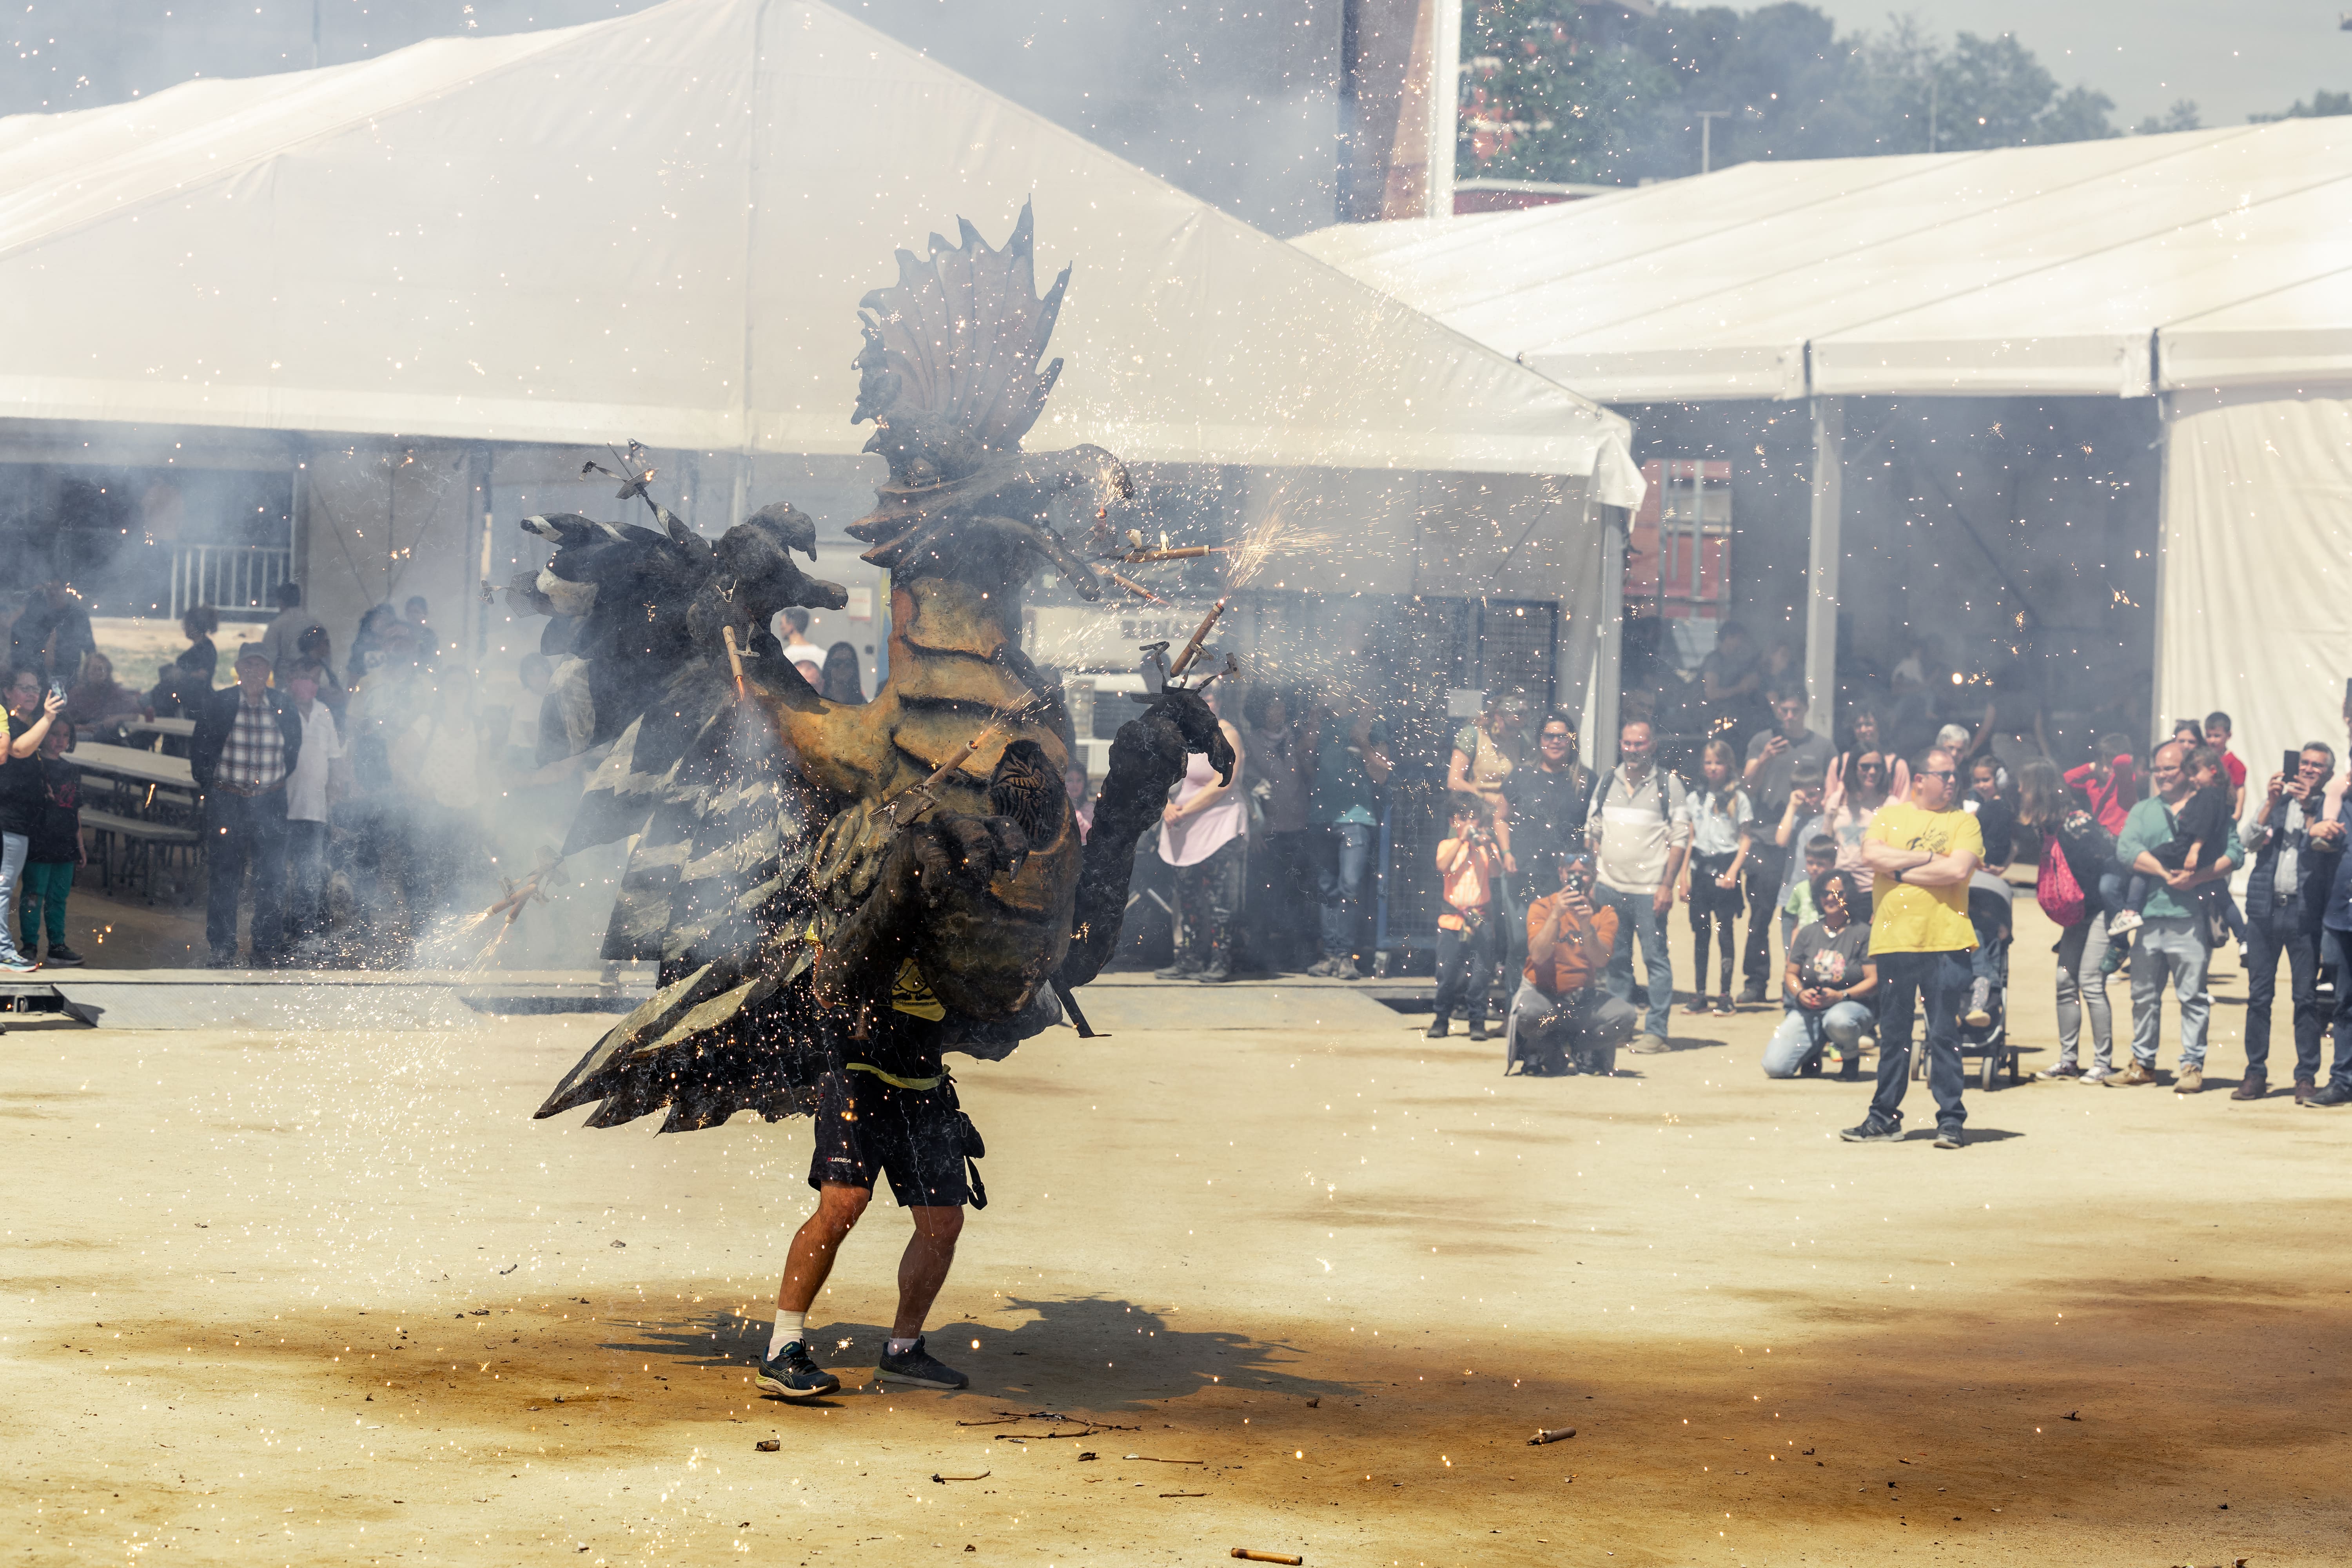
818	1242
923	1268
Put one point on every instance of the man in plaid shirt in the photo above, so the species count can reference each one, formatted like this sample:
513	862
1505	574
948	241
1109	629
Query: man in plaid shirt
245	748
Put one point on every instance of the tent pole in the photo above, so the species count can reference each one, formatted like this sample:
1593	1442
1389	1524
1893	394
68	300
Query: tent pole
1445	103
2163	548
1609	646
1821	605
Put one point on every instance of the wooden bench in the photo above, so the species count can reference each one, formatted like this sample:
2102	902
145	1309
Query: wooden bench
140	841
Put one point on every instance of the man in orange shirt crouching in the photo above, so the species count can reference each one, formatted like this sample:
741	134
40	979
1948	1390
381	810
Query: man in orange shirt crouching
1562	1020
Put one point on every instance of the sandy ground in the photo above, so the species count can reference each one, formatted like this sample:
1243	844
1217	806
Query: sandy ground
335	1297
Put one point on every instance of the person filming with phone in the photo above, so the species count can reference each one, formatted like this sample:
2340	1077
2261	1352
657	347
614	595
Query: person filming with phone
22	795
1562	1020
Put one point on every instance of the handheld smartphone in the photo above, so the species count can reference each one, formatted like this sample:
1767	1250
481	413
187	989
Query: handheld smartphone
57	689
2293	766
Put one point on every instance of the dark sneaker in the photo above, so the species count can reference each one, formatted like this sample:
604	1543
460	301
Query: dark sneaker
1849	1068
1182	969
1950	1137
790	1373
1437	1030
1723	1007
2333	1094
1477	1029
2064	1069
916	1366
64	957
1751	996
1873	1132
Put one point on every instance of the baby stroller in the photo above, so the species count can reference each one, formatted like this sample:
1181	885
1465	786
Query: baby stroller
1989	901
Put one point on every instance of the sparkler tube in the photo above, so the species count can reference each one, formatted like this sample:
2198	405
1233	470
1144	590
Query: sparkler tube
1184	552
734	658
1192	649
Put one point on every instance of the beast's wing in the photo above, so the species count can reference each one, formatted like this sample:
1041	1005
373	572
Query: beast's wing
715	888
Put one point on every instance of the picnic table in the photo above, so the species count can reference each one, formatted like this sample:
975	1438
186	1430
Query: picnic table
150	810
185	729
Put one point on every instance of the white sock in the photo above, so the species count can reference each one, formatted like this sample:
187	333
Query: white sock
789	1327
900	1347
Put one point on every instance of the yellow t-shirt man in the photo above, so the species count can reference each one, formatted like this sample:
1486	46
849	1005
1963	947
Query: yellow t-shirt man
1907	919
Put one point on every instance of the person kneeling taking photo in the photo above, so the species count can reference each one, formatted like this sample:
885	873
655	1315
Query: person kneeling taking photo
1829	974
1562	1020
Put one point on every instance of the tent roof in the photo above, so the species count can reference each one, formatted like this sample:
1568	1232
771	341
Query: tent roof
2204	257
659	227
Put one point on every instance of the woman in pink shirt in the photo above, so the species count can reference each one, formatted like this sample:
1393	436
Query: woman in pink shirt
2110	782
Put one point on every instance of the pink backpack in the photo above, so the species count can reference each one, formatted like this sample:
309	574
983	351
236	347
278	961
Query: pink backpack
2056	890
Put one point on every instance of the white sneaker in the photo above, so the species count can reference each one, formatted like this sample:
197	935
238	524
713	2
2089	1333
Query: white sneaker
2123	921
2094	1077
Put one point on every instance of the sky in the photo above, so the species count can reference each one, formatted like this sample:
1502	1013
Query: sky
2235	58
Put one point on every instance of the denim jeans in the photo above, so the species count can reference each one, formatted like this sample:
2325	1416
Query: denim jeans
1639	912
2339	950
1582	1028
46	887
1908	983
1466	969
2083	990
1799	1038
247	832
1765	864
14	847
2169	946
1339	879
2283	932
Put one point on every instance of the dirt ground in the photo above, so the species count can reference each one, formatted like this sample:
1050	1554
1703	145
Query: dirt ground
1313	1280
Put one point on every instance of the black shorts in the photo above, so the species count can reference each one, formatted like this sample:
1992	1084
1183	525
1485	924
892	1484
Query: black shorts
913	1136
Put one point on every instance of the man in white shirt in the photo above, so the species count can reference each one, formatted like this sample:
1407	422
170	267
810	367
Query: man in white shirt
1639	826
312	789
797	646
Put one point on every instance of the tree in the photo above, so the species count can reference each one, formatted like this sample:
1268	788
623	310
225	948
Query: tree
2181	116
1551	94
2323	104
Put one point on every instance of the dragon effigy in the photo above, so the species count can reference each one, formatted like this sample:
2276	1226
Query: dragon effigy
809	872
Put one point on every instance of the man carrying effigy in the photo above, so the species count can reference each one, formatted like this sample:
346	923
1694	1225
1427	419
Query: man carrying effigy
837	894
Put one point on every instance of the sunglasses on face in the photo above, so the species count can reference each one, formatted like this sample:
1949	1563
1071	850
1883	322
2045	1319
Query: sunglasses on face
1938	772
1872	768
1562	736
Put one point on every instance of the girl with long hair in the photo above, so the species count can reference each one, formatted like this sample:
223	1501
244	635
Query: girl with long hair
1721	821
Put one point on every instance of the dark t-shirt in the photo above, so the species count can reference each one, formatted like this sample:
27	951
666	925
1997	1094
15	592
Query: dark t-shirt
1833	961
22	795
1770	792
2204	819
57	832
1548	809
1997	824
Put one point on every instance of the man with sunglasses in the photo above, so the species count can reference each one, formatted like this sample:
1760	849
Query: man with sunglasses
1921	853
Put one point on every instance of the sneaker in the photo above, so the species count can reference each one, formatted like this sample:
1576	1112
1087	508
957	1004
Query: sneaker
1849	1069
1979	1012
1438	1029
2333	1094
2189	1081
17	964
2095	1078
1751	996
1218	972
2064	1069
1723	1007
1698	1004
1649	1045
1873	1132
1950	1137
2139	1073
2123	923
1182	969
2117	952
64	957
1477	1029
916	1365
790	1374
1323	969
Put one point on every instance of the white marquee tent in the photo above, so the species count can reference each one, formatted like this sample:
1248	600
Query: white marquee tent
661	224
2210	269
659	227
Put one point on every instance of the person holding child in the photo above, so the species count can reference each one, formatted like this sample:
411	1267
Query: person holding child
2177	851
